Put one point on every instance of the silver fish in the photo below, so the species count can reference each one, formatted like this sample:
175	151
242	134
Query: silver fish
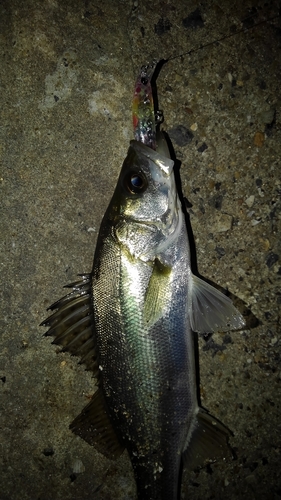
132	320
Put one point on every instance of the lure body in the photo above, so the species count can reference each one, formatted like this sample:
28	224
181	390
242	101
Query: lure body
143	108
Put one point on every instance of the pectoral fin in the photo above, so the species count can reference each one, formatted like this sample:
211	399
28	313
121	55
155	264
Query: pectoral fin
210	310
157	295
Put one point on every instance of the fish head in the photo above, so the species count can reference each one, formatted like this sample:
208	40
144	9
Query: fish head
147	211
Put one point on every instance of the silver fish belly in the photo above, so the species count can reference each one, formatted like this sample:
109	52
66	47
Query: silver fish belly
131	321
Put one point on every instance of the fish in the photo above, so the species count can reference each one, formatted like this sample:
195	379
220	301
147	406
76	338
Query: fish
132	322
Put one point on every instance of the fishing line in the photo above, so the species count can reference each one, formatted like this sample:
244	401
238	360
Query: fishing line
224	37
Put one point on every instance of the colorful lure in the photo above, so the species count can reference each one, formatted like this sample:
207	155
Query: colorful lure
143	108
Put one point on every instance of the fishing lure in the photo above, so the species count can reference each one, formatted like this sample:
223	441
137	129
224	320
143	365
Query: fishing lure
144	125
145	117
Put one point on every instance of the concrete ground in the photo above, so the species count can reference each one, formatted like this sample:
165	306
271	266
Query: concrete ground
67	77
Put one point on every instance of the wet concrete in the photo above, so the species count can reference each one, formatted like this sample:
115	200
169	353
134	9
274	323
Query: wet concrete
67	77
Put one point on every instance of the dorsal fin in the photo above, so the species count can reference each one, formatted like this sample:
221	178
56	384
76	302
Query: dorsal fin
72	323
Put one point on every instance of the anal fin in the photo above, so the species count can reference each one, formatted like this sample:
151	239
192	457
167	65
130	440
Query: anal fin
208	441
94	426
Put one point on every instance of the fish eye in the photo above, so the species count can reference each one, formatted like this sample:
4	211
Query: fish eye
136	182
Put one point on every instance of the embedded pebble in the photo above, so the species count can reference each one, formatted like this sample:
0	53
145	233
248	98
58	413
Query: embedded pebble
250	201
271	259
181	135
251	479
220	251
194	20
202	148
163	25
265	244
259	139
48	452
267	116
221	222
78	466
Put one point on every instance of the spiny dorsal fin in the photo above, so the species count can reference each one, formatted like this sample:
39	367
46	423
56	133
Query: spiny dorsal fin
72	323
94	426
210	310
208	441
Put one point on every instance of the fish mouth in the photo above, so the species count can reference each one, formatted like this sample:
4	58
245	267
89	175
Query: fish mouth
164	163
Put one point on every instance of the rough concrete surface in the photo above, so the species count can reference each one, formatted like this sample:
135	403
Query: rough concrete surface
67	75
